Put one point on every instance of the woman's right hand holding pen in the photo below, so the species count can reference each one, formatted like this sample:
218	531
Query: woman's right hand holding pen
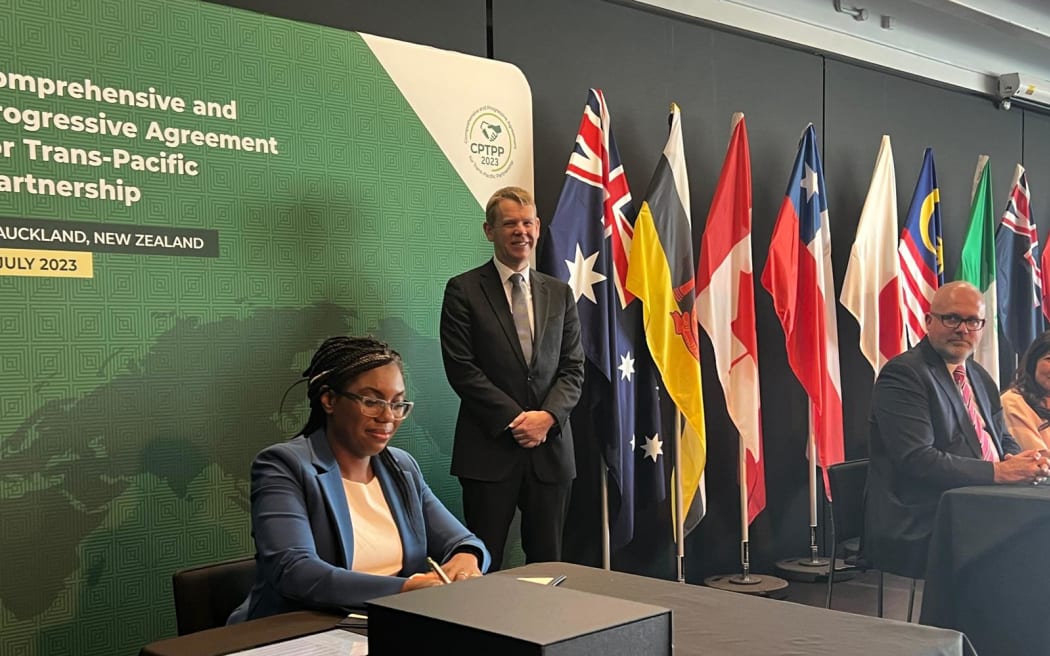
459	567
417	581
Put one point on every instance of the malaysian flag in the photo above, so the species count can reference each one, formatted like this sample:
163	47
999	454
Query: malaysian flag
921	251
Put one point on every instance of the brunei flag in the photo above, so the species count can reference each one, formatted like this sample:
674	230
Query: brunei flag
661	274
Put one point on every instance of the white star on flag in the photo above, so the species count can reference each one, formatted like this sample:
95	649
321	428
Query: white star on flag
653	447
632	443
810	183
582	276
626	366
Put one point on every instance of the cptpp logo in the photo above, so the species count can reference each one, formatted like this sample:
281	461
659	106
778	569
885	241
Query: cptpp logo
490	142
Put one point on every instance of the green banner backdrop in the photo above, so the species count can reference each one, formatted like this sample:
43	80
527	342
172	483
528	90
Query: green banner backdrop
192	198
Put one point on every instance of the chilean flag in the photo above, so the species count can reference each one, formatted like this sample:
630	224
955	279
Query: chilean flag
798	276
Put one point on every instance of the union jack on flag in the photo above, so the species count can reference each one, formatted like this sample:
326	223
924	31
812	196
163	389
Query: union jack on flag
596	162
589	248
1018	277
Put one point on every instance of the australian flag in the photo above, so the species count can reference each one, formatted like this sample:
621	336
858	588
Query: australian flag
1018	278
589	248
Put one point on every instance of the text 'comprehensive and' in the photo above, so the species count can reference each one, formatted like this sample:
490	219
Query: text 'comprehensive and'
159	155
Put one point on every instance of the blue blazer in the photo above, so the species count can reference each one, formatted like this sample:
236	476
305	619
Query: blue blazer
304	540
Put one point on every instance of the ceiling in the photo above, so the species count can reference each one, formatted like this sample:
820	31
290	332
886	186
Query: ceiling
960	43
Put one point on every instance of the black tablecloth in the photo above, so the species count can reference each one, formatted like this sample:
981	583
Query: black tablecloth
986	573
708	621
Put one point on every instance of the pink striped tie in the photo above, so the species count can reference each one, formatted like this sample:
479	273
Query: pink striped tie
988	451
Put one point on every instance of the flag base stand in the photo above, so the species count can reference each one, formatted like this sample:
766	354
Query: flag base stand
812	567
762	586
803	569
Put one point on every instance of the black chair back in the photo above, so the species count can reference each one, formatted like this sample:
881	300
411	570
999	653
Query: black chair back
848	480
206	595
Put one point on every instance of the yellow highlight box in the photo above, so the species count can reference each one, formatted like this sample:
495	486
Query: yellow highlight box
48	264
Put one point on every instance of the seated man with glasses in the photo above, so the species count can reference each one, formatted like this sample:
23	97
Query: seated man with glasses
339	517
936	423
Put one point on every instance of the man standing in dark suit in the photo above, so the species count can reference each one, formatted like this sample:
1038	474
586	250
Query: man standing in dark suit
936	423
510	340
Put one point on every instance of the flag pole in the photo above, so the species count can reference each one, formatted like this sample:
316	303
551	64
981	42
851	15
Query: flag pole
812	567
745	530
745	546
811	452
733	582
679	511
814	561
606	560
745	582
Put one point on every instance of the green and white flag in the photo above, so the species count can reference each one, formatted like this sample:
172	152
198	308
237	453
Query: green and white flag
977	264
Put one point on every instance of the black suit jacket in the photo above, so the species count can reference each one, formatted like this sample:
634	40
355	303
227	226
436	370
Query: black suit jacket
486	368
922	443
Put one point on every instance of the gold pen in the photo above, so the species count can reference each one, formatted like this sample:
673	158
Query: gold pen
437	570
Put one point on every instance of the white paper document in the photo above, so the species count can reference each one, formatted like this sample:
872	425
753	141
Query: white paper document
336	642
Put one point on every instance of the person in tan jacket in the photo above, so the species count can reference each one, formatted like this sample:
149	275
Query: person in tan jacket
1025	403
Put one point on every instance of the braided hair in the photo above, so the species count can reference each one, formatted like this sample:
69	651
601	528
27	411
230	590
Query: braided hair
337	362
1024	380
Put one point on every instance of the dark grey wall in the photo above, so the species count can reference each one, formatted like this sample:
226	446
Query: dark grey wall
860	106
643	60
1037	163
450	24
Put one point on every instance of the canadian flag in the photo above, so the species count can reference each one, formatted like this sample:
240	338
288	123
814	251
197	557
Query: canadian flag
725	306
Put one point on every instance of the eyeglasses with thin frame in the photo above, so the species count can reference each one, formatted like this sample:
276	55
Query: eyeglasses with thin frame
373	407
953	320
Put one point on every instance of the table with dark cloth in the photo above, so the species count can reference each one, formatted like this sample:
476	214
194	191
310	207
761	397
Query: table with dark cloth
708	621
986	573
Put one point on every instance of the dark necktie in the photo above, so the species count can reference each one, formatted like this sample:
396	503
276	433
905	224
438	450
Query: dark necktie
988	451
520	311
